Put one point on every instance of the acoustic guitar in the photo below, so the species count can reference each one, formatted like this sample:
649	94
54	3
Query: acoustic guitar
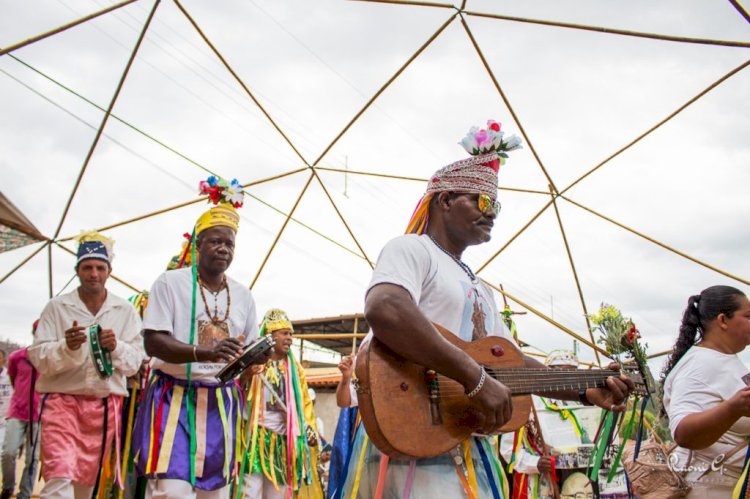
412	412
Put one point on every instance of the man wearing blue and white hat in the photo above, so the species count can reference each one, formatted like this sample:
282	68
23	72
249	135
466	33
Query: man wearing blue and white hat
87	343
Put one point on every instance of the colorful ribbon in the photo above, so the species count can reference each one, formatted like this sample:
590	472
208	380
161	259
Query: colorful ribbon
190	401
601	444
740	490
625	437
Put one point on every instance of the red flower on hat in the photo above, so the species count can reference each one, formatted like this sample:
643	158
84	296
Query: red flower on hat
493	125
213	192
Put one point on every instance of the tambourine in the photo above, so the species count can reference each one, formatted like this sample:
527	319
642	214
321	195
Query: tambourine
101	357
250	354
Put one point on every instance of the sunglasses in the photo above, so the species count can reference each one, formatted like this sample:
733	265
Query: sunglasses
487	205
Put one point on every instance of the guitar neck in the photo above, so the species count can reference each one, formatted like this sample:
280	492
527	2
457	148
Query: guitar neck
525	381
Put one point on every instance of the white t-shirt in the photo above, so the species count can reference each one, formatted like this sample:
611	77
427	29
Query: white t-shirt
273	418
169	306
440	288
702	379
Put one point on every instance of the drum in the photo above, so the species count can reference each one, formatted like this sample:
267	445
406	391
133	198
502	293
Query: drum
101	357
250	355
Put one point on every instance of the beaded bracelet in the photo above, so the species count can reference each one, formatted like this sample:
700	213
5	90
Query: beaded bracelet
479	386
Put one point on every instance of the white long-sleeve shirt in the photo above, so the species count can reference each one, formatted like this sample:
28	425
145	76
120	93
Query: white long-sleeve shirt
62	370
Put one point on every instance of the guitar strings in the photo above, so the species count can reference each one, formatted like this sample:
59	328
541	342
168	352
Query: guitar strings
530	380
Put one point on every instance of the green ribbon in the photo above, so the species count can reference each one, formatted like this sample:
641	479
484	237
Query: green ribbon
303	449
601	445
190	390
625	437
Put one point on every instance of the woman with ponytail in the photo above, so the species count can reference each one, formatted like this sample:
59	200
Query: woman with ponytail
705	397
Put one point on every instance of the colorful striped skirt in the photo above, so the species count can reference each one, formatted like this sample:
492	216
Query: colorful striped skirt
270	458
161	438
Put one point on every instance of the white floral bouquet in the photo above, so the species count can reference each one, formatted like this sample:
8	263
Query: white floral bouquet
481	141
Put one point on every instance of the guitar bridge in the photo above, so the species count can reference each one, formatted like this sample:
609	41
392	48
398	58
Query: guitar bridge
433	388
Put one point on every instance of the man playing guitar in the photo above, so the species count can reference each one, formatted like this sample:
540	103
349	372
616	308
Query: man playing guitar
420	280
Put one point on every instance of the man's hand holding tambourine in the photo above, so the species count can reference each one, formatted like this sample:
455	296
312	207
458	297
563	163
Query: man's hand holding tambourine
226	350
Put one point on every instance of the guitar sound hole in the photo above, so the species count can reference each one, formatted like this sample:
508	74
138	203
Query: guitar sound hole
497	351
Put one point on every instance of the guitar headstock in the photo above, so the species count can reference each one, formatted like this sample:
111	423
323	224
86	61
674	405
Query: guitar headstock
640	385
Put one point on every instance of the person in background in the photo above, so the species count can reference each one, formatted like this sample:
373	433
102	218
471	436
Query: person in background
6	392
198	319
706	393
82	388
346	395
22	425
343	438
577	486
318	420
282	459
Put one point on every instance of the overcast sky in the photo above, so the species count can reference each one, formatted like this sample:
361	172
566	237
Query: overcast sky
580	96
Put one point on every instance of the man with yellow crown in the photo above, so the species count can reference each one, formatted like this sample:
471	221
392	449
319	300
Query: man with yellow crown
282	459
421	279
186	436
86	344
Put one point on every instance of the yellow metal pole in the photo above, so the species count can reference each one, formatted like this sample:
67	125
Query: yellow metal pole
575	272
62	28
328	336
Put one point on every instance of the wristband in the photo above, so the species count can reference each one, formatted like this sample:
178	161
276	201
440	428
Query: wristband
479	386
195	353
583	398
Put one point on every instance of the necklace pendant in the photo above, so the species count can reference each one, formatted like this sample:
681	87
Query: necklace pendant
477	319
211	333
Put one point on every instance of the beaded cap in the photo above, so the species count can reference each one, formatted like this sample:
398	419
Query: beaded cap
275	320
92	244
476	174
561	358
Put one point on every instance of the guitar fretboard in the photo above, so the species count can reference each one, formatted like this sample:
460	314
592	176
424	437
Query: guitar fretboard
525	381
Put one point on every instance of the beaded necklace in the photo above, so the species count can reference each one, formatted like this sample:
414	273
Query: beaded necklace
215	316
474	280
